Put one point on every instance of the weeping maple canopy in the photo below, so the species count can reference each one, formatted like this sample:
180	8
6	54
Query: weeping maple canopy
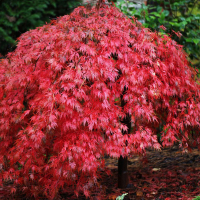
61	93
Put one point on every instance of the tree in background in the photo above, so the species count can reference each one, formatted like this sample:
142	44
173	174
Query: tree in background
18	16
90	84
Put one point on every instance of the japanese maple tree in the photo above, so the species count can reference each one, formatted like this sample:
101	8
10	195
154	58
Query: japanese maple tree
90	84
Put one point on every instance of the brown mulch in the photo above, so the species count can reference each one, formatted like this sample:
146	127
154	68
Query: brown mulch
162	175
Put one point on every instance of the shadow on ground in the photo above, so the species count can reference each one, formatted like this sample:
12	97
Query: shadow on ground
169	174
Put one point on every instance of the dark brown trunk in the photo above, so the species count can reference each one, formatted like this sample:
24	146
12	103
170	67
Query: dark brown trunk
123	179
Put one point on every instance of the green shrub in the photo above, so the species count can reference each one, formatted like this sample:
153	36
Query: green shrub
197	198
180	18
17	17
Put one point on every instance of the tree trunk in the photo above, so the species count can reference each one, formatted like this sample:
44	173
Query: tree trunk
123	179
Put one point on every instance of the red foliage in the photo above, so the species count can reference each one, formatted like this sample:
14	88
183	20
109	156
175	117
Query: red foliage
58	90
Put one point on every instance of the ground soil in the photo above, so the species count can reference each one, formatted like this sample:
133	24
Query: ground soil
162	175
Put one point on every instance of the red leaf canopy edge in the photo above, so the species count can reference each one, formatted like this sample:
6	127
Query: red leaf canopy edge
58	90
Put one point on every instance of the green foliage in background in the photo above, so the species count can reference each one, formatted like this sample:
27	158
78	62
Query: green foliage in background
197	198
179	17
19	16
